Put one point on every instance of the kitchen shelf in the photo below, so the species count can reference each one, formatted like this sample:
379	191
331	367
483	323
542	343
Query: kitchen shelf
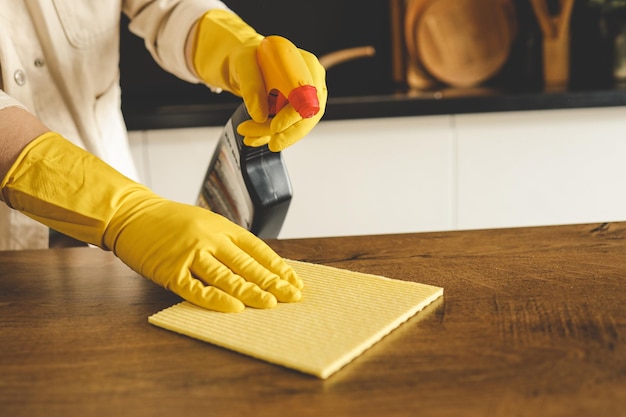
143	116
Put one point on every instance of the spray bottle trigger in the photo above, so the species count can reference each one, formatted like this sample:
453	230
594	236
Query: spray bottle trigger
276	101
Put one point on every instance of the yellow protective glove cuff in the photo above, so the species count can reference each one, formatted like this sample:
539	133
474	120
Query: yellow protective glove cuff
195	253
224	56
48	182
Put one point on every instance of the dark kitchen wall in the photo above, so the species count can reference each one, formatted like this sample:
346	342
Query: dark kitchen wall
320	26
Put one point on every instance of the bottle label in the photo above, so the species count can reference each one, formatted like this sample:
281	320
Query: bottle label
224	190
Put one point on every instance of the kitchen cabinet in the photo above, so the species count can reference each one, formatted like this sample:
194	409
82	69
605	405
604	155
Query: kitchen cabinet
372	176
349	177
173	162
541	167
425	173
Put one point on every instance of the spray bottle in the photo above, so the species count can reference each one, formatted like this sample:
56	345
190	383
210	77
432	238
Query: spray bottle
250	185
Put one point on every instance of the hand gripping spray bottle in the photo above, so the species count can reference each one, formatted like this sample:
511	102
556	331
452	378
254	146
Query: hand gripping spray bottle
250	185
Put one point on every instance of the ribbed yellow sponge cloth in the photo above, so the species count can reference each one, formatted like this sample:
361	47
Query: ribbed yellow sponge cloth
342	313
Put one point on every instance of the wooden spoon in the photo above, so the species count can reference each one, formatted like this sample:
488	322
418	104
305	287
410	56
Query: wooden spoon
556	41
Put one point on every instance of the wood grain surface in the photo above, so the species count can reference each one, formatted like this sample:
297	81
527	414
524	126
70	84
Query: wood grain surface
532	323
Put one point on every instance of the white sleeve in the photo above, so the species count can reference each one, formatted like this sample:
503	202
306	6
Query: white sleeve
8	101
164	27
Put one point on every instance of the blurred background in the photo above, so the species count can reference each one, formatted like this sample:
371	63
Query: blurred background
597	46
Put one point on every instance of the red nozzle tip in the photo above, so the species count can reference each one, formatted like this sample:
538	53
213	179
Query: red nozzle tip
304	100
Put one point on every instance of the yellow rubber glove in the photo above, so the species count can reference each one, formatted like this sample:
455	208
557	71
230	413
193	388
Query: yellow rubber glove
189	250
225	56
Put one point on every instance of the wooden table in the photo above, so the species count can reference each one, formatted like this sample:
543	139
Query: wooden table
533	323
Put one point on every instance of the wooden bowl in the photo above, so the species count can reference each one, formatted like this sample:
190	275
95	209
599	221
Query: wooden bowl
463	42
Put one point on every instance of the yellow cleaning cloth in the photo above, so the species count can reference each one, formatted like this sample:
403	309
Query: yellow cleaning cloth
341	314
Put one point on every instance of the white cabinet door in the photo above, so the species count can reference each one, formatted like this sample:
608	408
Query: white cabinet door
541	167
349	177
425	173
173	162
371	176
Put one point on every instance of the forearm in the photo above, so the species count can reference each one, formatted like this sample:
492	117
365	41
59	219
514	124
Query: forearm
17	128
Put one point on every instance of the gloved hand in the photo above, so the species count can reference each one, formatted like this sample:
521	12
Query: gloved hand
225	56
193	252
